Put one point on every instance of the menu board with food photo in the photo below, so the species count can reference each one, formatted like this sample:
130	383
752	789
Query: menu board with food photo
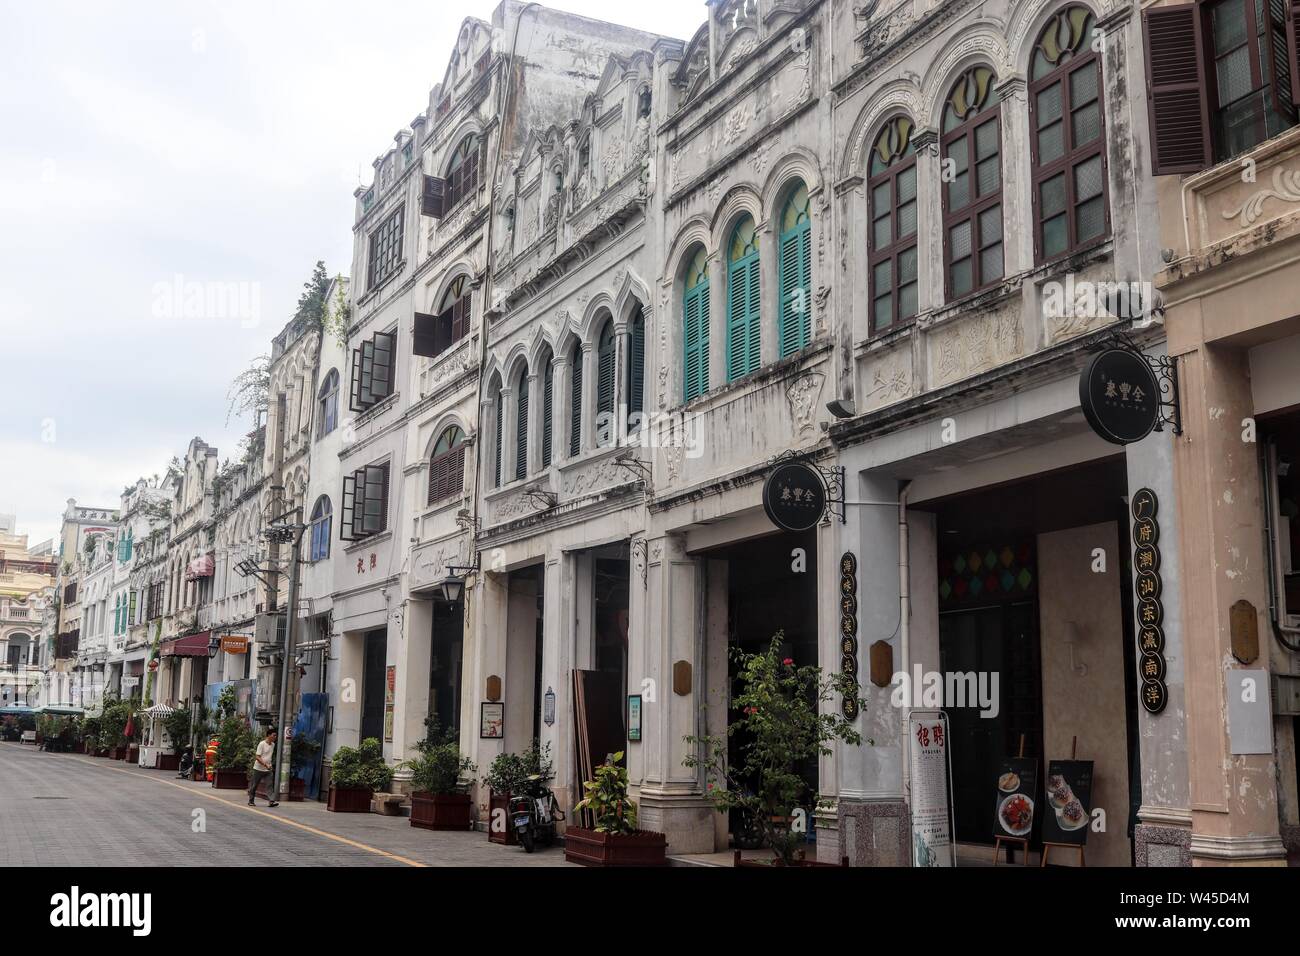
1069	796
1017	778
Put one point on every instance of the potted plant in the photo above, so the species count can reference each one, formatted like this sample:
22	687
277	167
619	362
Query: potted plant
511	774
615	839
177	727
438	801
356	773
90	737
112	728
235	747
784	724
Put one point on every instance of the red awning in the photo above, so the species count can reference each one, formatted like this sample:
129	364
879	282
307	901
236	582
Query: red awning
201	567
191	645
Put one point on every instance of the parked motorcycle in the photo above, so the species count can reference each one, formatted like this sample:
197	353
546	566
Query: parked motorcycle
186	765
534	815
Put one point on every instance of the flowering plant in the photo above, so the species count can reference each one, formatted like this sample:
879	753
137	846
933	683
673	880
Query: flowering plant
781	724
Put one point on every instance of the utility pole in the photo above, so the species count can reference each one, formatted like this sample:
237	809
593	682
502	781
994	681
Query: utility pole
291	534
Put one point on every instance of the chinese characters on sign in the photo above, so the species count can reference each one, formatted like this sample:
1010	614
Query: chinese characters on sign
794	496
931	803
1120	396
849	628
1150	612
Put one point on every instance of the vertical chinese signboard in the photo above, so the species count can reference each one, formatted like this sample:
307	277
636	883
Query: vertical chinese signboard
931	789
1150	612
849	628
390	695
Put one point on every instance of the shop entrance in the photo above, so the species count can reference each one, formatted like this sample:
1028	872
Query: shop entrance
771	586
600	689
446	666
374	657
523	658
1033	589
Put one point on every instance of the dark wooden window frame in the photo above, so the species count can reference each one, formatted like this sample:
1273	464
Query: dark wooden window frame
436	333
897	245
385	249
462	179
974	207
447	468
365	502
1261	79
1071	156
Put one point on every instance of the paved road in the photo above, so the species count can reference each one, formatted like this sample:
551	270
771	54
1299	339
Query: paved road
73	810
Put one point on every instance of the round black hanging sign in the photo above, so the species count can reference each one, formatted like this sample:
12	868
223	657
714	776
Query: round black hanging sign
794	496
1120	396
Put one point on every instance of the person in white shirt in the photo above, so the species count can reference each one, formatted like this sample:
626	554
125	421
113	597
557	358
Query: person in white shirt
262	769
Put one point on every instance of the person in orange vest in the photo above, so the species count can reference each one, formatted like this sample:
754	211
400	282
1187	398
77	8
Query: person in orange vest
210	759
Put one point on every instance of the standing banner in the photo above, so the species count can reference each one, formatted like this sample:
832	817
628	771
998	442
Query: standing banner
931	786
390	697
1017	780
1069	795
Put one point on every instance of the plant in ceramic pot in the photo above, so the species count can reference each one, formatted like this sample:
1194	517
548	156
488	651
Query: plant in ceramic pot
236	745
613	839
783	725
438	799
90	735
356	773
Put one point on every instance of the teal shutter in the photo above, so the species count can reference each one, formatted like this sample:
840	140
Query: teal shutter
575	408
752	320
736	312
548	409
636	368
697	341
500	425
795	264
605	386
521	431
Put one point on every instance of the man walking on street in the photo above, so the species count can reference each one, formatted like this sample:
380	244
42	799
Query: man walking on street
262	770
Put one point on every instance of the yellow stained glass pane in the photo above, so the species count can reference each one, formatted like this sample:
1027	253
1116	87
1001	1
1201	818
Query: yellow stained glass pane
796	209
698	270
744	240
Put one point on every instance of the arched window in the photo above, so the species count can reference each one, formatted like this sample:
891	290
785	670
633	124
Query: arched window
500	423
521	426
695	326
743	340
575	401
636	370
434	334
548	409
321	520
892	254
327	400
447	465
462	171
972	194
1066	124
605	359
794	262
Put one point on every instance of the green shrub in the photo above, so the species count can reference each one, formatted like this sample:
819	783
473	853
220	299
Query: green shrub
522	774
361	766
177	725
236	744
606	798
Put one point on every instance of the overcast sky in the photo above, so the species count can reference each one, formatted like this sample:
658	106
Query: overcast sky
147	144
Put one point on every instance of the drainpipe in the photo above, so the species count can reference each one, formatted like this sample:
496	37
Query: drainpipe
1268	469
904	614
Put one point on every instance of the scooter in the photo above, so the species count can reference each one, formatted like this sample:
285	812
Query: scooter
186	763
534	815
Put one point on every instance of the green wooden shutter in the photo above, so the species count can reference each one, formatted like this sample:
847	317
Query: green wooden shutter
737	293
548	409
521	431
636	368
575	408
605	373
795	263
496	481
754	338
691	344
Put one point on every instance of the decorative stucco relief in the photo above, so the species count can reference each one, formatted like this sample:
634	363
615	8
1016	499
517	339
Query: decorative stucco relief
888	378
1286	187
802	395
592	478
973	345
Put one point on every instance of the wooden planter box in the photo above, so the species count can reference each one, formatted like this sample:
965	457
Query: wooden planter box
101	752
642	848
168	762
133	754
297	789
230	779
501	801
441	811
349	799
